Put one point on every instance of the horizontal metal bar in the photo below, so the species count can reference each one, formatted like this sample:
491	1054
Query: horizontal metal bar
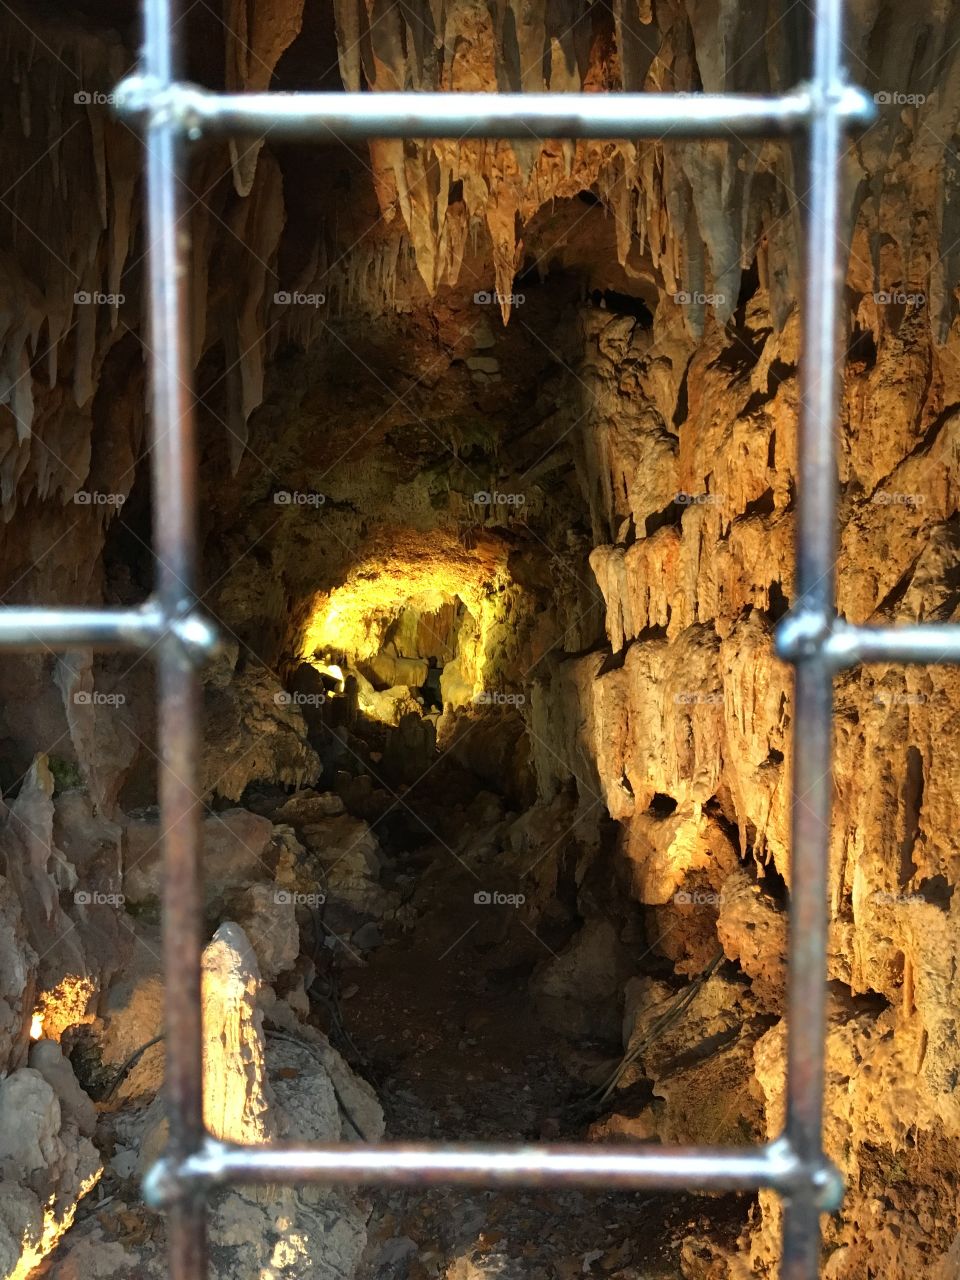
925	642
774	1166
33	630
809	633
481	115
30	630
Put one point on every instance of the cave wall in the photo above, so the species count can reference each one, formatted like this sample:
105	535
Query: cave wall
689	468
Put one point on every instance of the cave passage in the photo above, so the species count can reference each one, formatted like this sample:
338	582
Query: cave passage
497	494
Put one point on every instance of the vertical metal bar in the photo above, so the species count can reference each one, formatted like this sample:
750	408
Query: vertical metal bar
174	518
813	686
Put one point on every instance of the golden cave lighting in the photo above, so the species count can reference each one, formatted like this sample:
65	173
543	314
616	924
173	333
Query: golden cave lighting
66	1005
352	620
56	1220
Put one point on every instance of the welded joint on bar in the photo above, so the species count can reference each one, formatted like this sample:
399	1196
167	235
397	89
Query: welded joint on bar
777	1167
33	629
850	103
180	106
807	635
197	636
804	635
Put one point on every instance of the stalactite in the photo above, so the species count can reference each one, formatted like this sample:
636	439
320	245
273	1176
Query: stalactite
257	35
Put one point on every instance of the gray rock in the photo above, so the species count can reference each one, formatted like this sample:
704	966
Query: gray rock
46	1056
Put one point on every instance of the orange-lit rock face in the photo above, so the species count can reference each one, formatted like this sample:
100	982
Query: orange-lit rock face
67	1005
235	1103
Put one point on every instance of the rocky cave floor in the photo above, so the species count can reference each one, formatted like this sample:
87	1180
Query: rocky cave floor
450	1034
431	997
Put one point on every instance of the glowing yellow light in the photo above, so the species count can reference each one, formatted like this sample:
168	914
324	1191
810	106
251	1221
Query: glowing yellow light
56	1221
67	1005
352	620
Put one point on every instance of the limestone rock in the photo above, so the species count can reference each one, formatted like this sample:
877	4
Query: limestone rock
47	1057
268	916
254	732
45	1168
577	991
18	964
235	844
235	1096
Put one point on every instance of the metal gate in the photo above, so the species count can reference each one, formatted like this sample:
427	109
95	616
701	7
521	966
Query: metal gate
811	637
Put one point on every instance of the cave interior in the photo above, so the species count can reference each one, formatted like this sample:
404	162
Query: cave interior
496	448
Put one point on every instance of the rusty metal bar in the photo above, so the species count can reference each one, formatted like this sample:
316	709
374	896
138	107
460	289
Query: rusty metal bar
621	1168
173	446
357	116
812	735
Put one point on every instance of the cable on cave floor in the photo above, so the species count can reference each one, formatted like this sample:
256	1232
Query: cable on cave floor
666	1020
